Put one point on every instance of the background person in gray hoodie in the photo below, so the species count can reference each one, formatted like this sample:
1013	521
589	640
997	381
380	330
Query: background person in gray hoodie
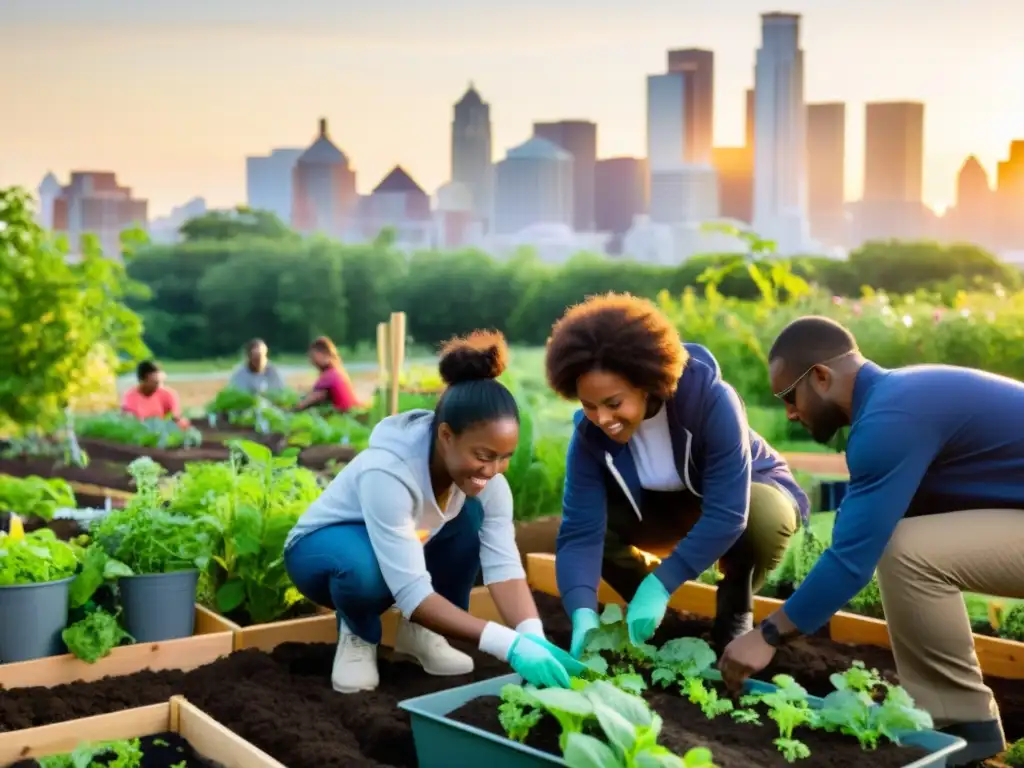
411	522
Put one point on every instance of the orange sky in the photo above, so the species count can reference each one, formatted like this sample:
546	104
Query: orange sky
173	96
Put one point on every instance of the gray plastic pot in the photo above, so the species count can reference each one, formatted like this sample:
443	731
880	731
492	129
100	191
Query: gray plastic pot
159	606
32	616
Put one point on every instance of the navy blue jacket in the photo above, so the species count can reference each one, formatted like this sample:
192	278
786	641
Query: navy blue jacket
928	439
717	456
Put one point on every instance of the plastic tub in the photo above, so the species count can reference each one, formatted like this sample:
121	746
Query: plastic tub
442	743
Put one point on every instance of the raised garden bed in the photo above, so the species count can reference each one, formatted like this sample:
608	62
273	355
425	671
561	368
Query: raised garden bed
213	637
100	473
174	734
999	658
831	464
221	433
173	460
283	702
320	457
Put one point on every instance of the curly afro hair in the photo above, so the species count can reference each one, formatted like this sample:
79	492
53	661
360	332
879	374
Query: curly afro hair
619	333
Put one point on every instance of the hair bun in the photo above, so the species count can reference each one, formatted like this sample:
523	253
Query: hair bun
480	355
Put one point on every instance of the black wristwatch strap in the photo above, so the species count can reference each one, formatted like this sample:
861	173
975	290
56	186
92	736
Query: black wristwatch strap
771	634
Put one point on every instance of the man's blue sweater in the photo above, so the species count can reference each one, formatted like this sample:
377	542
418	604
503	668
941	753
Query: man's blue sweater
923	440
717	456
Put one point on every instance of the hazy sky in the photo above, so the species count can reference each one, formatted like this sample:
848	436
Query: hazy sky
174	95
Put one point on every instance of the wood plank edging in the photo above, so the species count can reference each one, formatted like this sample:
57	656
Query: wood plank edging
998	657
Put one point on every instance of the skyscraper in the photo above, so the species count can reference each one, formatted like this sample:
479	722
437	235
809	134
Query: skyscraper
666	123
735	168
471	151
1010	198
826	177
94	203
533	185
620	193
971	219
268	182
579	139
324	189
894	152
697	67
780	152
892	206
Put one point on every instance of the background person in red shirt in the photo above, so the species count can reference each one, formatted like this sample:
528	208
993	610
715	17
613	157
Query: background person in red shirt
150	399
333	386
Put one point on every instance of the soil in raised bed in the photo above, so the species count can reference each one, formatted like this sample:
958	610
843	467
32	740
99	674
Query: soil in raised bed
732	744
162	750
171	459
319	457
284	704
104	473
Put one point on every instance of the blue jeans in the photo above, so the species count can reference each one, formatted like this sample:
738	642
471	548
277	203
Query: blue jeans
336	567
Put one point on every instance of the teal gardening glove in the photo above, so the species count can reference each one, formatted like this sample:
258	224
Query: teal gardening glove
584	622
541	663
646	610
536	660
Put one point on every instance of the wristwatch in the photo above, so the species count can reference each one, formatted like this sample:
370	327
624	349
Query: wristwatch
771	634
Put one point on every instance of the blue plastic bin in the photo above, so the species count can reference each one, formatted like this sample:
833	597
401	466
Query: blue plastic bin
444	743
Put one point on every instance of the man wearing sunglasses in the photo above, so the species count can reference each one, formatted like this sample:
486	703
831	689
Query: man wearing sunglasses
935	503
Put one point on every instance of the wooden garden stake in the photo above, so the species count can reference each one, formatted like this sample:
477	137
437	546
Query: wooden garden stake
397	356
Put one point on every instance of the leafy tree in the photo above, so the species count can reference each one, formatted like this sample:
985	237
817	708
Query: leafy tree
58	319
240	222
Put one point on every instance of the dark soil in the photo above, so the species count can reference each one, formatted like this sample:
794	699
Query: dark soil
318	457
102	472
283	702
223	434
173	460
163	750
64	529
732	745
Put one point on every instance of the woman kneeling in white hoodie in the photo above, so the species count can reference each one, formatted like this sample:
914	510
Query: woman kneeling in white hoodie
412	521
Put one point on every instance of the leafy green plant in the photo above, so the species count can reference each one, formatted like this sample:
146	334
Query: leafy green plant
61	319
35	558
265	498
1015	754
1011	623
789	708
93	637
706	698
163	434
126	753
517	712
150	538
35	496
682	659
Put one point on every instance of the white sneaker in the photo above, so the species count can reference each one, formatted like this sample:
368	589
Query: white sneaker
430	650
355	664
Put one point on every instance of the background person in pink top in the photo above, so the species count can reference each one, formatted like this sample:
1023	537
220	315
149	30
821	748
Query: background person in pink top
150	399
333	385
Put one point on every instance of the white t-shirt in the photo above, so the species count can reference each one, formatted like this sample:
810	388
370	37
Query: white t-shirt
651	445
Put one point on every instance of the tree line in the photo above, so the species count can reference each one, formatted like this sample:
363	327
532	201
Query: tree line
241	274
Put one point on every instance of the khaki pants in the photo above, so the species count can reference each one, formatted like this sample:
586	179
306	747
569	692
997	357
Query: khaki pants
669	516
927	564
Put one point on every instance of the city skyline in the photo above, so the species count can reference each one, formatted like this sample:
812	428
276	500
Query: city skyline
175	102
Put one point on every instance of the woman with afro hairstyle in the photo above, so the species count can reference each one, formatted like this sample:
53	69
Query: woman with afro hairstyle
413	520
661	461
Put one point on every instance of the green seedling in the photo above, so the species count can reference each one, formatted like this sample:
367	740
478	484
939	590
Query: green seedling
706	698
682	659
517	712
